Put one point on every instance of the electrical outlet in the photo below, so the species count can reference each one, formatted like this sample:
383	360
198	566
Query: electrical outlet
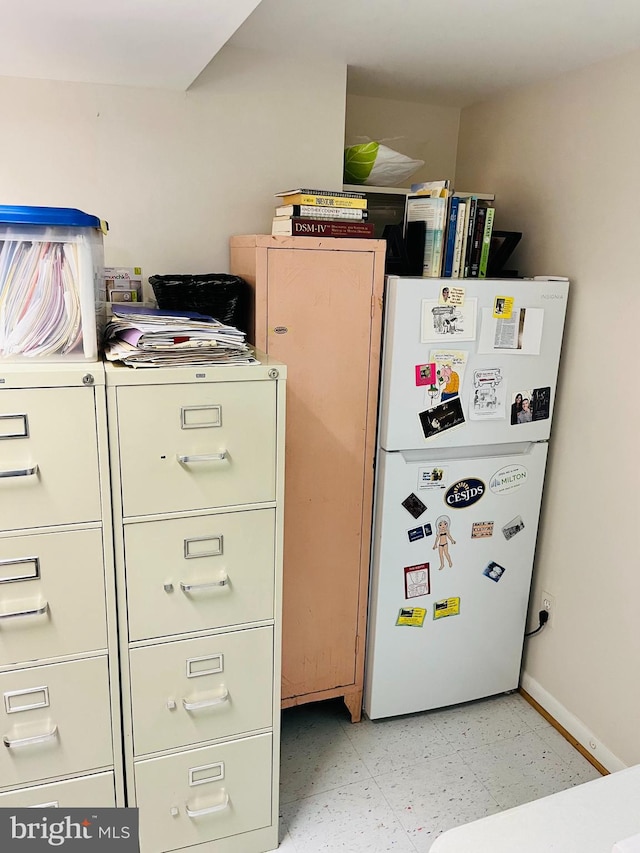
548	603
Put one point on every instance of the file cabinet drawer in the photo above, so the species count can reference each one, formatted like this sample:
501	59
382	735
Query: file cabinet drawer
191	574
48	457
52	598
190	447
95	791
54	721
204	794
190	691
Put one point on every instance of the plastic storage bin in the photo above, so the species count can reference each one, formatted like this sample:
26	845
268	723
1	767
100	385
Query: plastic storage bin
52	298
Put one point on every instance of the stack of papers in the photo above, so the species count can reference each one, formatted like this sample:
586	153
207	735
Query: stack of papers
151	337
40	311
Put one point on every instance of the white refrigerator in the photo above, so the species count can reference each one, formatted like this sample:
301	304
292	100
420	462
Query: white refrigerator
468	390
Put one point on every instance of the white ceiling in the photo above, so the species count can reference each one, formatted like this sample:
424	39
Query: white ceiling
158	43
445	51
435	51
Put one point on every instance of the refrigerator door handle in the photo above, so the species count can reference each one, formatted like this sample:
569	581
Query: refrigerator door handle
481	451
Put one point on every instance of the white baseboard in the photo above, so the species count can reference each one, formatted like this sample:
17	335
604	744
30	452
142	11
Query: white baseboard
572	724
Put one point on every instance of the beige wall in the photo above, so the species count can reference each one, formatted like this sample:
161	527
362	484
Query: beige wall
175	174
420	131
563	160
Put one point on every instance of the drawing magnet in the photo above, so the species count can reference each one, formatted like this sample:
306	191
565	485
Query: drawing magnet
417	580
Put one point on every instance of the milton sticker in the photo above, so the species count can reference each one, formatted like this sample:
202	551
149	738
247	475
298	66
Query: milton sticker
464	493
507	479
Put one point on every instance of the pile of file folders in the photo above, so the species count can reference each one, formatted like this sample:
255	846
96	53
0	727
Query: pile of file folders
151	337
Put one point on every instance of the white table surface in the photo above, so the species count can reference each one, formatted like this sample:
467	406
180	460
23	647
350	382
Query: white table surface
589	818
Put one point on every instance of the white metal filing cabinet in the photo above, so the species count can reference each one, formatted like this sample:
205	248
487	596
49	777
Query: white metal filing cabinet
197	470
59	698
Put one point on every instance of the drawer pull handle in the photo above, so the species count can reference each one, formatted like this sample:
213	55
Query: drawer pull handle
29	741
205	457
220	807
195	587
36	611
20	472
206	703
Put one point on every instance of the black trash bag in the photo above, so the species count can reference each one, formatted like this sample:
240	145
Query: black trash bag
220	295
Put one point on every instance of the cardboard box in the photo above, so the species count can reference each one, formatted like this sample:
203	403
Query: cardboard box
123	284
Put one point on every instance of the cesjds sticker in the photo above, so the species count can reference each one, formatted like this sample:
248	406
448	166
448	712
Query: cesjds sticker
464	493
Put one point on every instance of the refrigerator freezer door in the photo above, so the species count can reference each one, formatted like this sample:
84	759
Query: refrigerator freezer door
470	643
504	358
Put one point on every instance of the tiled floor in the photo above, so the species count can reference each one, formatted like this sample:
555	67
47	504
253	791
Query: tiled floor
395	785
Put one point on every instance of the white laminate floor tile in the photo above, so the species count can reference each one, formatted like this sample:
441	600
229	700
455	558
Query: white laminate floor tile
480	723
436	795
525	711
573	759
355	818
397	744
396	784
316	755
285	841
522	769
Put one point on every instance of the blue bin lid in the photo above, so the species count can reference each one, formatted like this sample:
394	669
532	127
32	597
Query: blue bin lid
65	216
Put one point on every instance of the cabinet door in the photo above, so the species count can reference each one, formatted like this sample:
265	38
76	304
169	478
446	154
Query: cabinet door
191	447
48	457
328	304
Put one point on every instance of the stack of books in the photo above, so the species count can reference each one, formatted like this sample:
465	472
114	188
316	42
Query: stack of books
458	229
321	213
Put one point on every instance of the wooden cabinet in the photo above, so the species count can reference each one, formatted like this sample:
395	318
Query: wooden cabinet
197	465
59	696
318	308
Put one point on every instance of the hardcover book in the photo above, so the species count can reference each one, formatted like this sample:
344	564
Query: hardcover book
324	198
312	211
298	227
447	267
476	246
486	242
432	211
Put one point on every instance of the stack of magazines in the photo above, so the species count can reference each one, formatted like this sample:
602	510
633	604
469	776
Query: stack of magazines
151	337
